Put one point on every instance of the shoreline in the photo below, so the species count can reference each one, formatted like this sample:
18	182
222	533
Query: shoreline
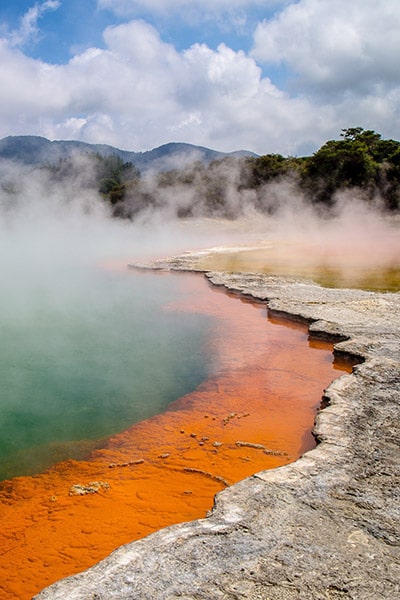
325	526
246	416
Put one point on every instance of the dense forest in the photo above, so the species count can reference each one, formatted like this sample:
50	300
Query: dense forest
360	161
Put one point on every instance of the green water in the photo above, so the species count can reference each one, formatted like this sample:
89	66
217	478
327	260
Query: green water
86	358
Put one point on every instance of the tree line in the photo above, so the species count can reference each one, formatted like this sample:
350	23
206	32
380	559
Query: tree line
360	160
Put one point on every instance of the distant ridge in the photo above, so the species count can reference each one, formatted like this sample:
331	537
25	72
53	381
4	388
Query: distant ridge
36	150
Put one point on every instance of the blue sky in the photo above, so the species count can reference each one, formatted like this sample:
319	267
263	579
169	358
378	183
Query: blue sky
61	30
75	25
265	75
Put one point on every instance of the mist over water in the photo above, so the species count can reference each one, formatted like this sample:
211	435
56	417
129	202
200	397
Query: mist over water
356	246
86	347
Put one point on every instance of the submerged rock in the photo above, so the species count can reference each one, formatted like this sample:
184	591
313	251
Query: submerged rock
326	526
91	488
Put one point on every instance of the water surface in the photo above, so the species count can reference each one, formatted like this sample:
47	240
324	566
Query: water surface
253	411
79	363
306	262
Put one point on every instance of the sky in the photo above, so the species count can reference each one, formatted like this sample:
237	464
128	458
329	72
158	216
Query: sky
262	75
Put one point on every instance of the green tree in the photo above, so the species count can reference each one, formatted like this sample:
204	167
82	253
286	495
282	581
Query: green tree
350	162
264	168
115	178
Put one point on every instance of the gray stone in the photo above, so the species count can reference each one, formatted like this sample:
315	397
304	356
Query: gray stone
324	527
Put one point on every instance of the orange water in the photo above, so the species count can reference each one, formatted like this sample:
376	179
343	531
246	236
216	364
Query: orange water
266	387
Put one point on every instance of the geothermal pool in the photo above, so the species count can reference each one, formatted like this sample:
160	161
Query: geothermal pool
80	364
305	261
231	393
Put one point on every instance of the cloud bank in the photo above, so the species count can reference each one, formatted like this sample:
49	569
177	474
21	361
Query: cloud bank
315	67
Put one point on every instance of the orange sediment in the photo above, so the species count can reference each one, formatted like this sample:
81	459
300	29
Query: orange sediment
255	412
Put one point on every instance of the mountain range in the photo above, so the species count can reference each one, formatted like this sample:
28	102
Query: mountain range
36	150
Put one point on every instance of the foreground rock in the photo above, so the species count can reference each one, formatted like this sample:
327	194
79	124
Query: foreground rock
326	526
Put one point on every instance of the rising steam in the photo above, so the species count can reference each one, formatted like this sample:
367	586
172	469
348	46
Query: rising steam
60	245
48	224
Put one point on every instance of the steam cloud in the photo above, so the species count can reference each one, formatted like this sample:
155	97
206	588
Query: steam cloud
56	238
48	226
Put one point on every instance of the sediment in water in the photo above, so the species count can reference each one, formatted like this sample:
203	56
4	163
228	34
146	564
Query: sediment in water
325	526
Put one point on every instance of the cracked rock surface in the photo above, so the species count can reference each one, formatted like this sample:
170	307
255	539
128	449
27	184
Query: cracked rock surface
324	527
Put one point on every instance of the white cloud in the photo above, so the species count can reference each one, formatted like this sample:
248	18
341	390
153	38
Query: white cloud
28	29
334	45
139	92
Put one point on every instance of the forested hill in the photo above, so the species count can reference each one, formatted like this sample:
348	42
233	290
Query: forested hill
360	162
191	181
36	150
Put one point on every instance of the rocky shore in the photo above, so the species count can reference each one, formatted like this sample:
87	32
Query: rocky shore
324	527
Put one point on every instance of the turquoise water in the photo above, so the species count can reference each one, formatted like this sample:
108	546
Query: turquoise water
85	357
